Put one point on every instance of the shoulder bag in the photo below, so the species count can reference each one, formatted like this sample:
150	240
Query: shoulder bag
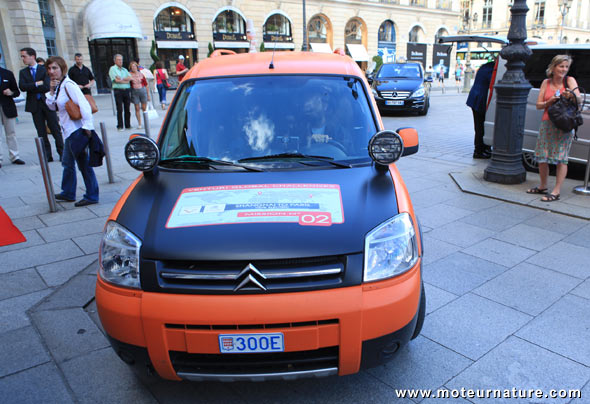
163	80
566	113
72	108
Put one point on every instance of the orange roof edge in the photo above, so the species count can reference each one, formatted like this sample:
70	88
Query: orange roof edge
284	63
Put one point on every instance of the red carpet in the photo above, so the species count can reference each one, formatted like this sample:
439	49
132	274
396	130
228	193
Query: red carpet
9	234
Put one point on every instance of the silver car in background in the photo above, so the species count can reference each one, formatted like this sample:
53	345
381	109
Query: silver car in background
534	71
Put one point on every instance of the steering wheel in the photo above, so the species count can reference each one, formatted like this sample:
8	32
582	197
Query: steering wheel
337	145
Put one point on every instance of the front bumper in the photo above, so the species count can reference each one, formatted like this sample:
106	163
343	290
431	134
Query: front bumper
409	104
357	327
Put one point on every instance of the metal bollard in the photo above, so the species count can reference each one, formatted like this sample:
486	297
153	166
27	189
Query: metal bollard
583	189
112	92
46	174
107	153
146	123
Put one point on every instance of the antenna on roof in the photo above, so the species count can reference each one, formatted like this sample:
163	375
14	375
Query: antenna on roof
271	65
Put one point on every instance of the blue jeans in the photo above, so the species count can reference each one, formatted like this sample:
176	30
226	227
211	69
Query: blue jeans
161	93
68	180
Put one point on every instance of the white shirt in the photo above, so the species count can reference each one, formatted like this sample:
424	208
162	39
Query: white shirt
75	94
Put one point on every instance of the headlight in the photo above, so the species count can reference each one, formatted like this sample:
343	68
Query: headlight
390	249
419	92
142	153
119	256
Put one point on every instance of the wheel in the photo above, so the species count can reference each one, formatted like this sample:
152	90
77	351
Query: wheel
421	314
529	162
425	110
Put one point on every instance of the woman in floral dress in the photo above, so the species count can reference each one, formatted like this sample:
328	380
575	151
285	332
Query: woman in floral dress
553	144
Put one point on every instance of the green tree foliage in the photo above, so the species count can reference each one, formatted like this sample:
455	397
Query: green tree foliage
154	56
378	62
262	48
210	49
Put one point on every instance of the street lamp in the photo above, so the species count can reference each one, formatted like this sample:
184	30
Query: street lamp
467	19
512	92
564	8
304	47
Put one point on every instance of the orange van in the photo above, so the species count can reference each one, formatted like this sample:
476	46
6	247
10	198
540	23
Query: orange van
270	234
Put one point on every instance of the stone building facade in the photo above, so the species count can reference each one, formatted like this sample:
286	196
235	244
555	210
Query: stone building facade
100	28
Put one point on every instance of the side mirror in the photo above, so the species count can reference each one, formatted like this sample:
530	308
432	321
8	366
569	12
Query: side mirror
410	138
370	78
142	153
428	79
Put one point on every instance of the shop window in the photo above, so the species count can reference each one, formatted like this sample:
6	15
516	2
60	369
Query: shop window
229	22
277	24
387	32
173	19
318	29
415	34
353	33
441	32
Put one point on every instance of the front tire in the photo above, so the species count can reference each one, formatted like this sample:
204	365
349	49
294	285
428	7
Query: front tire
424	111
529	162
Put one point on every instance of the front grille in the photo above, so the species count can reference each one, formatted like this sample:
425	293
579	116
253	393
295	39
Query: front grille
395	95
250	327
254	363
250	277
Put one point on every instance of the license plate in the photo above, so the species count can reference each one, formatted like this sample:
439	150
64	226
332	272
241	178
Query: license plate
394	103
250	343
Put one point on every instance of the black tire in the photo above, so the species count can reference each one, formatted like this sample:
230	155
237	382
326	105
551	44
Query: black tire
421	314
425	110
529	162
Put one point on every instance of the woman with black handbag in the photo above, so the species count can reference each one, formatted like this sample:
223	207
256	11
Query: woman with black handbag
75	117
553	144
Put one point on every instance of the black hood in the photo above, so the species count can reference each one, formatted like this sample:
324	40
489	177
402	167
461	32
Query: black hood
368	198
399	84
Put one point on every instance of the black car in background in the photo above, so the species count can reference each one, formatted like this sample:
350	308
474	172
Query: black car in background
400	87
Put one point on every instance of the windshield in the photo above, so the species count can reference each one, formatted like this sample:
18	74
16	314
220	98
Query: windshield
400	70
282	117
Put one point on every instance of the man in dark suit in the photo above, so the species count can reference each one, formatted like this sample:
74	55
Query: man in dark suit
478	101
8	113
35	81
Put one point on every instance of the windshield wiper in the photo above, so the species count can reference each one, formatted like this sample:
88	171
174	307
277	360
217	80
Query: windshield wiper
207	161
298	156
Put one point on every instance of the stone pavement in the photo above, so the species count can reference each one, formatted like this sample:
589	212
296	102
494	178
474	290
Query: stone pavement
507	283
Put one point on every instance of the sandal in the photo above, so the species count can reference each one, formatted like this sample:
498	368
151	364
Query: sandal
550	198
536	190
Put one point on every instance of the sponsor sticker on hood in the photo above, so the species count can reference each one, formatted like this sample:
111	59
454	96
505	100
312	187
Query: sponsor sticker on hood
305	204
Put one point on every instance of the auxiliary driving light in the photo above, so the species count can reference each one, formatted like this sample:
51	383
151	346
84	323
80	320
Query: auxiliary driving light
386	147
142	153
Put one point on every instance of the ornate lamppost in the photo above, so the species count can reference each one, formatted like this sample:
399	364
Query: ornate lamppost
512	91
304	48
564	8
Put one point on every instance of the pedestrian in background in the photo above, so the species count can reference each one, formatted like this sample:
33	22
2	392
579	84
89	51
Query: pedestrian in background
181	69
34	80
458	77
120	78
441	76
40	61
139	94
81	75
161	76
553	144
8	113
62	90
477	100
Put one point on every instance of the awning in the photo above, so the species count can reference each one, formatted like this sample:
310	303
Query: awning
279	45
358	52
111	19
231	45
320	47
177	44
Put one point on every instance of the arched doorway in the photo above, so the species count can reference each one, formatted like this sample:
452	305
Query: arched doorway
229	30
355	39
319	33
386	41
416	49
276	32
174	30
113	28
